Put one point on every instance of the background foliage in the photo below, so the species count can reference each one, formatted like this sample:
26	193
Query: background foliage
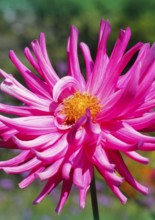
21	21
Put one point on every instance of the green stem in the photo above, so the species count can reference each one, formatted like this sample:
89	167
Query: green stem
94	199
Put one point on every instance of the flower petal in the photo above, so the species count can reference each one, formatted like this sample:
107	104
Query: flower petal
32	163
101	61
30	178
39	143
74	66
66	188
32	125
137	157
54	152
51	183
66	82
88	60
124	172
51	170
19	159
33	82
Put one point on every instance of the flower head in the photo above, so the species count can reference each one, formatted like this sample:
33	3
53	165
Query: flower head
66	127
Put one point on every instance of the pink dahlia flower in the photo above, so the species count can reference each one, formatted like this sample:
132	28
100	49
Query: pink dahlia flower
68	126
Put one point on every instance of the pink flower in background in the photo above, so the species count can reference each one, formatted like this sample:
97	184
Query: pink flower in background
66	127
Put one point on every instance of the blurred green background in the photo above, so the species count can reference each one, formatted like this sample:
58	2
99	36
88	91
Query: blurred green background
21	21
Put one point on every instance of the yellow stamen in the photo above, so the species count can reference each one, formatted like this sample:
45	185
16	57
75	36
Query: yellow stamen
75	106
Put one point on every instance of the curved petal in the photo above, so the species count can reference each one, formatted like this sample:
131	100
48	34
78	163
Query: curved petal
88	60
48	72
19	159
137	157
142	122
51	170
32	125
101	61
66	170
74	66
33	82
114	143
30	178
65	83
87	178
15	89
112	73
51	183
71	137
124	172
32	163
66	188
39	143
54	152
42	39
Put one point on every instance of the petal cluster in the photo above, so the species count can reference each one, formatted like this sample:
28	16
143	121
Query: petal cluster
55	148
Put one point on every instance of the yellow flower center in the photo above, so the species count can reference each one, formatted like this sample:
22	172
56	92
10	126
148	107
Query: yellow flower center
75	106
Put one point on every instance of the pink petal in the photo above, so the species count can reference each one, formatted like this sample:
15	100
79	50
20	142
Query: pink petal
114	143
64	83
48	72
54	152
88	60
101	61
74	66
71	137
66	170
142	122
51	183
32	163
124	172
110	78
36	125
127	133
32	61
20	92
66	188
87	178
20	158
100	159
30	178
125	60
137	157
32	81
51	170
44	49
16	110
118	193
40	142
148	147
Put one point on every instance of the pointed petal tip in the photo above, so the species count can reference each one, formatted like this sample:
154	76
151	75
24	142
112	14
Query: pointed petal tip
35	202
6	170
58	209
42	34
26	49
82	205
145	190
20	186
34	43
73	28
11	52
42	38
105	22
124	201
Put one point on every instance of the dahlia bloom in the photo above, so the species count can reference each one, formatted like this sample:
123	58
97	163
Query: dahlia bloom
66	127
